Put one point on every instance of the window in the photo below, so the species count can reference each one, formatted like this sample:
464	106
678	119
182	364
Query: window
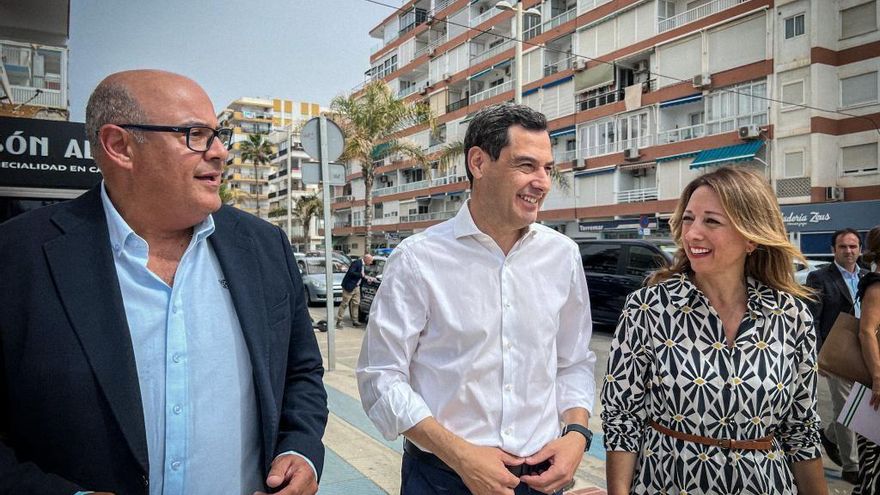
794	26
794	164
600	258
728	110
792	94
858	20
861	158
643	261
859	89
597	138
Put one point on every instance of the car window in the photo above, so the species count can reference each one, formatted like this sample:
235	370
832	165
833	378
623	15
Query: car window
317	266
643	261
600	258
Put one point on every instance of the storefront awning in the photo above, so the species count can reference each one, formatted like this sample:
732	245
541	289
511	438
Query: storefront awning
727	154
682	101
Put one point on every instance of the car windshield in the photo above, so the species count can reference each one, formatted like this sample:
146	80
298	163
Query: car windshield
669	248
314	266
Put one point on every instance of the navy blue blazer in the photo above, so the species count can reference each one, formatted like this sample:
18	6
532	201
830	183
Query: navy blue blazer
70	404
832	298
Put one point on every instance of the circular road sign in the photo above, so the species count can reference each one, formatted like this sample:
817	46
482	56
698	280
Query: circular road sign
311	144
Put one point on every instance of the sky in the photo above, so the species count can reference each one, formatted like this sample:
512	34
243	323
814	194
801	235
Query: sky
302	50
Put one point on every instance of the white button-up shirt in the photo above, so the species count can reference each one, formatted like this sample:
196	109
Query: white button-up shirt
494	347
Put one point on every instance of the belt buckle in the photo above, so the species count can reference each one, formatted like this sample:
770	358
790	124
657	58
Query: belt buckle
725	443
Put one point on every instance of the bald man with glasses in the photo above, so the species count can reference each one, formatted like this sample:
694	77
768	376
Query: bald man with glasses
152	340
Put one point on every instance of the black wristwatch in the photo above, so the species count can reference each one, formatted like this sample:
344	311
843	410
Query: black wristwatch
583	430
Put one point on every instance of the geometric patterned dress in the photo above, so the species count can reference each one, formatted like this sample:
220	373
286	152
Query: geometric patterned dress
669	363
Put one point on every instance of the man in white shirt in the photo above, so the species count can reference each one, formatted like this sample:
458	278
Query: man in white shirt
478	341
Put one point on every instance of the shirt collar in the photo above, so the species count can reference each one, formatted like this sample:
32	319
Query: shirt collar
760	296
120	231
847	273
464	225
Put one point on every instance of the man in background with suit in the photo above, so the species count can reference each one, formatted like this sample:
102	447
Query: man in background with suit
836	286
152	340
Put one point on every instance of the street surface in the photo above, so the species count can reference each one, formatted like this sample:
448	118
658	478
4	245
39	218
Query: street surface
360	462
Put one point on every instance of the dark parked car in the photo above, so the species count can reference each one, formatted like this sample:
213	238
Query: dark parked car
368	289
615	268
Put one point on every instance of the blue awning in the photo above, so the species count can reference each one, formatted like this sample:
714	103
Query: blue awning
478	74
562	132
533	90
681	101
727	154
558	82
596	171
503	64
668	158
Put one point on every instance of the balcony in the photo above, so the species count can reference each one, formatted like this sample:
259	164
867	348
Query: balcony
416	86
448	179
343	199
485	16
458	105
491	52
681	134
616	147
637	195
551	24
564	156
695	14
489	93
559	66
601	99
37	74
427	217
439	6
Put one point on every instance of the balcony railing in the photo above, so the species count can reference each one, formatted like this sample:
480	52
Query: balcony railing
436	42
418	85
681	134
491	52
637	195
554	22
555	67
601	99
37	75
343	199
485	16
695	14
439	5
427	217
617	146
458	105
448	179
564	156
489	93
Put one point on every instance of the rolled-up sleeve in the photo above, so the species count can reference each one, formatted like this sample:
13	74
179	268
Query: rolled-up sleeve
798	430
399	313
575	384
624	392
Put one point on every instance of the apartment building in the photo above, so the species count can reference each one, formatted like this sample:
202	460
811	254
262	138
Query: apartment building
641	97
271	190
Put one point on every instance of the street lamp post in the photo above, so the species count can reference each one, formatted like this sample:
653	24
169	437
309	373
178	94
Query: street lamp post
518	12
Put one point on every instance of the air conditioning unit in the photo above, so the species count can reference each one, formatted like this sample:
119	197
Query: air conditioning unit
702	81
447	76
749	132
580	64
580	163
833	193
641	66
432	51
631	154
423	90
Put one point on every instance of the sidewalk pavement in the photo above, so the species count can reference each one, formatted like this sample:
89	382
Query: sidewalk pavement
359	461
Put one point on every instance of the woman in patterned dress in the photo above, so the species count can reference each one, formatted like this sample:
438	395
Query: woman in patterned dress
869	295
718	346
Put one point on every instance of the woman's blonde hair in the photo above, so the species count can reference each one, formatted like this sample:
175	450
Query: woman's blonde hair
751	206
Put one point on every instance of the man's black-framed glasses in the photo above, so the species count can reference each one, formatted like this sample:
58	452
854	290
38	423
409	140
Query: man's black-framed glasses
198	137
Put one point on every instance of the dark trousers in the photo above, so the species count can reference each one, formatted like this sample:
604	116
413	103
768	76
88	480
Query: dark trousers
420	478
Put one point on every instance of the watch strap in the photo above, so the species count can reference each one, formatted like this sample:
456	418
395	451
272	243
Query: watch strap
583	430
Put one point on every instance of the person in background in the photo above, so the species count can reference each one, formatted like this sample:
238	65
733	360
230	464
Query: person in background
711	378
869	324
152	340
351	289
835	285
478	340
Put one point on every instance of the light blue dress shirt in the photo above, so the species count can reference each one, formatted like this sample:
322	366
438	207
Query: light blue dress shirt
193	366
852	282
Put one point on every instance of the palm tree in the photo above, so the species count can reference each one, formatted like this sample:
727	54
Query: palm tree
226	195
258	151
454	151
306	208
370	118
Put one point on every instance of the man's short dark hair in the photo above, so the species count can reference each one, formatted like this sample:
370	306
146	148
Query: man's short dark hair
489	128
845	231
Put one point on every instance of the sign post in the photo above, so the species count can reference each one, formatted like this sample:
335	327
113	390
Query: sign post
323	141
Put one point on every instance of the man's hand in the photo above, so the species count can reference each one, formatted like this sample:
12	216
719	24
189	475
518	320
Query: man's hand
565	454
291	475
483	470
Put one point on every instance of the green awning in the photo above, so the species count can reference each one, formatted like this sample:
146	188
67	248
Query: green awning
595	77
379	151
727	154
